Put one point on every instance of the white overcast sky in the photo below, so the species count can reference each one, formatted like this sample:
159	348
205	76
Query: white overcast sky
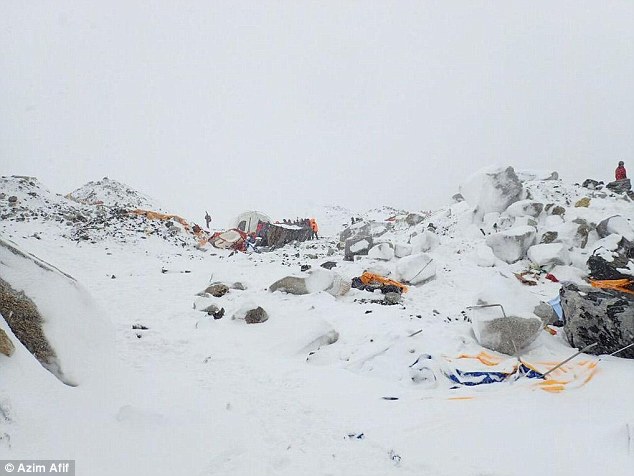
283	105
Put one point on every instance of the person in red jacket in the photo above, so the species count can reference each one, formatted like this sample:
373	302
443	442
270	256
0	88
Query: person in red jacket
620	173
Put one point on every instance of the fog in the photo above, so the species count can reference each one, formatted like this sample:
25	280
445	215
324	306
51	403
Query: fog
284	106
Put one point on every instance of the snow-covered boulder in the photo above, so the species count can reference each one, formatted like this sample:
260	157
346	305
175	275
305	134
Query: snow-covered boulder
401	250
256	316
358	246
492	190
382	251
416	269
54	317
290	284
525	208
530	175
484	256
511	245
549	254
620	186
425	241
617	225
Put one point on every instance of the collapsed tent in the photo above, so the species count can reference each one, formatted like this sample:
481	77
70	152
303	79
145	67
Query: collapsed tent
196	230
486	368
248	221
230	239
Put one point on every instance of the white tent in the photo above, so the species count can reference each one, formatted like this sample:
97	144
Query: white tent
248	221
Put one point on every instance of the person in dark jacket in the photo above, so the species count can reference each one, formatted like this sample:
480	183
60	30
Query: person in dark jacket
620	173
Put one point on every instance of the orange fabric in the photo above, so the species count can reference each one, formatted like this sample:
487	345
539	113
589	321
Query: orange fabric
313	225
367	278
200	234
616	284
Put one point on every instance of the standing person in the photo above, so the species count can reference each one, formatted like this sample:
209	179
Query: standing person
620	173
314	227
207	219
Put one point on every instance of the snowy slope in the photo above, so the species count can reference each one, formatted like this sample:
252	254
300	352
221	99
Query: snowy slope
195	395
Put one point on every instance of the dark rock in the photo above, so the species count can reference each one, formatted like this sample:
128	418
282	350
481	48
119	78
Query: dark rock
304	267
256	316
329	264
414	219
457	198
620	186
217	290
392	297
592	184
239	286
597	315
358	246
139	327
549	237
13	199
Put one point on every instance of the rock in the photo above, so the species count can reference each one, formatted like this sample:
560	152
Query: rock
492	190
217	289
416	269
239	286
511	245
339	286
382	251
484	256
620	186
13	199
541	175
305	267
549	254
392	298
329	264
525	221
6	346
546	313
557	210
291	285
425	241
508	335
54	317
457	198
357	246
617	225
592	184
256	316
414	219
402	250
598	315
582	203
525	208
549	237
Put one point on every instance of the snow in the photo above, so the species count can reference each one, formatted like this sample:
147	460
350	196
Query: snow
547	254
195	395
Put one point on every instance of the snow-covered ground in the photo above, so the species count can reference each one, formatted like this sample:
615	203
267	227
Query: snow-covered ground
191	395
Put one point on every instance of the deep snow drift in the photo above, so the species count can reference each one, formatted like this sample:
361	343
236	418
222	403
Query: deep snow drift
329	383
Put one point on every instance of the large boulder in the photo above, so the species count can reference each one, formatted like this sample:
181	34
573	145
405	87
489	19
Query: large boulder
401	250
549	254
616	225
290	284
425	241
598	315
54	317
492	190
511	245
620	186
357	246
416	269
382	251
525	208
508	335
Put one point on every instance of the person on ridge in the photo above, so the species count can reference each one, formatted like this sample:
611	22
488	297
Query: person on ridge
620	173
314	227
207	219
